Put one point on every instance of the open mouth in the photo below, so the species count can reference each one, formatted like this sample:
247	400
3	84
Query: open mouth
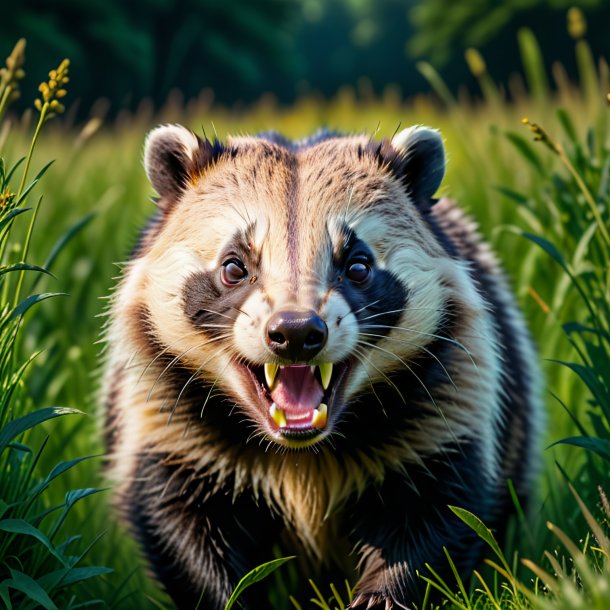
298	397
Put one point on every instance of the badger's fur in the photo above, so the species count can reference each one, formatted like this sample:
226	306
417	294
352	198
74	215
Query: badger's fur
265	252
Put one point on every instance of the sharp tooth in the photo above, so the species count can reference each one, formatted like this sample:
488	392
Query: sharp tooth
270	373
320	416
278	415
326	372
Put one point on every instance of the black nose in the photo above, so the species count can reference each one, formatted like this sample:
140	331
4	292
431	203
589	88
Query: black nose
296	335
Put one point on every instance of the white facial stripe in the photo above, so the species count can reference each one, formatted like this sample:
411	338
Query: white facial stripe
342	329
370	228
422	276
249	328
261	230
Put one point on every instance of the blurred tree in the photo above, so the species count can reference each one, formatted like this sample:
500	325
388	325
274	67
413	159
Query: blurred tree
346	42
143	48
126	51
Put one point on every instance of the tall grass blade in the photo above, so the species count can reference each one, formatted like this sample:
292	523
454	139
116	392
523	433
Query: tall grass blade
30	301
598	446
19	526
259	573
29	587
18	426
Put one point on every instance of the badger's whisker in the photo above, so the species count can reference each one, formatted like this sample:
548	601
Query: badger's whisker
388	380
399	359
359	356
178	358
205	325
419	347
419	380
365	307
425	334
349	202
207	398
190	380
218	313
400	310
164	351
241	311
170	365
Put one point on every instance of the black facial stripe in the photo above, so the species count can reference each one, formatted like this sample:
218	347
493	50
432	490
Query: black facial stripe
211	306
378	304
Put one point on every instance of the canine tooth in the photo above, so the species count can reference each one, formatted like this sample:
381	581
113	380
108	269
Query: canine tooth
326	372
277	415
270	373
320	416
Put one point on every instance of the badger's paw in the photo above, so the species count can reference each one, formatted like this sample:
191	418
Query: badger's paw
375	601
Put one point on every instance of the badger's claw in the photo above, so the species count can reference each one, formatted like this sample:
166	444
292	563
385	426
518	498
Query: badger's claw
372	601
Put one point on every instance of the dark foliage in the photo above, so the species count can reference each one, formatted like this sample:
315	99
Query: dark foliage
126	51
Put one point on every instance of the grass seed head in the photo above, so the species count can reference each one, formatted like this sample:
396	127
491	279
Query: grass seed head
13	72
577	24
540	135
475	62
53	90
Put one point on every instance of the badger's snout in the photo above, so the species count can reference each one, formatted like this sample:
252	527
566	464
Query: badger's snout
297	335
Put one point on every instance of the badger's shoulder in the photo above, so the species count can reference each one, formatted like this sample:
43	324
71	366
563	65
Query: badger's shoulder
522	421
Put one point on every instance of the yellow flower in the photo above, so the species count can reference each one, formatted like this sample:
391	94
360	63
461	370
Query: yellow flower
52	90
6	198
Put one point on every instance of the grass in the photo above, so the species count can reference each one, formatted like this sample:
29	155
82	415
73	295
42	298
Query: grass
40	558
543	205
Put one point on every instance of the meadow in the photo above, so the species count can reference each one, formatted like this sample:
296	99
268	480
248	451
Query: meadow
540	191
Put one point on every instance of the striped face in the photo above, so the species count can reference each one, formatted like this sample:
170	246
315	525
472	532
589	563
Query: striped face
292	279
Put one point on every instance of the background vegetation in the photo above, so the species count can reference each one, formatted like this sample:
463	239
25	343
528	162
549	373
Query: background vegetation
543	205
123	52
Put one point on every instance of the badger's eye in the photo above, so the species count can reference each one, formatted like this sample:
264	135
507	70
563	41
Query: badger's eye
232	272
358	270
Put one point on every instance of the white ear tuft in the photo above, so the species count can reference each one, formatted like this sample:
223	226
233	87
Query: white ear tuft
424	159
169	158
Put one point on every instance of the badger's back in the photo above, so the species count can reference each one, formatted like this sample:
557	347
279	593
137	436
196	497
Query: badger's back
307	352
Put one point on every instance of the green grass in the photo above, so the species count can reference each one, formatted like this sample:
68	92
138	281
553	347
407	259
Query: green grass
97	195
41	560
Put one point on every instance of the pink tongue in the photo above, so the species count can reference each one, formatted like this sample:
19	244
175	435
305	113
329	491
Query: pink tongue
297	389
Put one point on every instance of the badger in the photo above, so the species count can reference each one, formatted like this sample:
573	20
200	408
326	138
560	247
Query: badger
309	355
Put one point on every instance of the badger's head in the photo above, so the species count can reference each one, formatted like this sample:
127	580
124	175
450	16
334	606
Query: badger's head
294	278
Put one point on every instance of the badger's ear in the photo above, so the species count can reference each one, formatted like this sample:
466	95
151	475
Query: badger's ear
172	156
423	160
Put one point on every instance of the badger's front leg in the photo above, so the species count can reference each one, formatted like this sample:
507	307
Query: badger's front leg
198	539
404	525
